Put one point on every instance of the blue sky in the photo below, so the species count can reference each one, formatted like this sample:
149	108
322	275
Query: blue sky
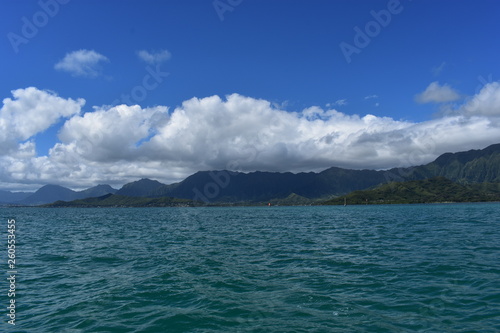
248	85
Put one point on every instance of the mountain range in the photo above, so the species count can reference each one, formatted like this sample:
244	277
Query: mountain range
464	168
51	193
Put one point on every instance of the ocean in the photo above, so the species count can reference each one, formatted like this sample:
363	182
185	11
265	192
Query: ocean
388	268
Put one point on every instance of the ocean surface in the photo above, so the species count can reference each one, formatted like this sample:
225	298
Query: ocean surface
391	268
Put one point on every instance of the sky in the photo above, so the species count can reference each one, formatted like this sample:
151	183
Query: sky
108	92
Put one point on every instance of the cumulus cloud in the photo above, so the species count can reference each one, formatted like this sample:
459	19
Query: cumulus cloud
111	135
126	142
30	112
154	58
486	102
84	63
436	93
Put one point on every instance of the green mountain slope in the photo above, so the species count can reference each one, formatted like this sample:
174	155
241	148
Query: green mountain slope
473	166
116	200
227	186
438	189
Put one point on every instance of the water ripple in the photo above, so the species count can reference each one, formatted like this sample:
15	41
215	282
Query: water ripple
408	268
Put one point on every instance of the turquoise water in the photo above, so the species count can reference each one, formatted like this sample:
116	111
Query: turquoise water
398	268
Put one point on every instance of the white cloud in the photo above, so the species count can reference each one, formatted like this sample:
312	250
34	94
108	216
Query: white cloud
339	102
486	102
85	63
111	134
123	143
371	96
154	58
436	93
30	112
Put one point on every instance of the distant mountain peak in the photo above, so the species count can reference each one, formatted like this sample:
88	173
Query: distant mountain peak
140	188
51	193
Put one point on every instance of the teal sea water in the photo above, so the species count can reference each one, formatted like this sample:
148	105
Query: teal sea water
394	268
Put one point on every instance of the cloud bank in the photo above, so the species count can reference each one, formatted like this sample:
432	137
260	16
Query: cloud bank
126	142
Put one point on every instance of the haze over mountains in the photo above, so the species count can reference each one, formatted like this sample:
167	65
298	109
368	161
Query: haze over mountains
51	193
474	166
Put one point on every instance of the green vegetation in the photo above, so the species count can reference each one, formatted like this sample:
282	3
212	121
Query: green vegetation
115	200
293	200
438	189
473	166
